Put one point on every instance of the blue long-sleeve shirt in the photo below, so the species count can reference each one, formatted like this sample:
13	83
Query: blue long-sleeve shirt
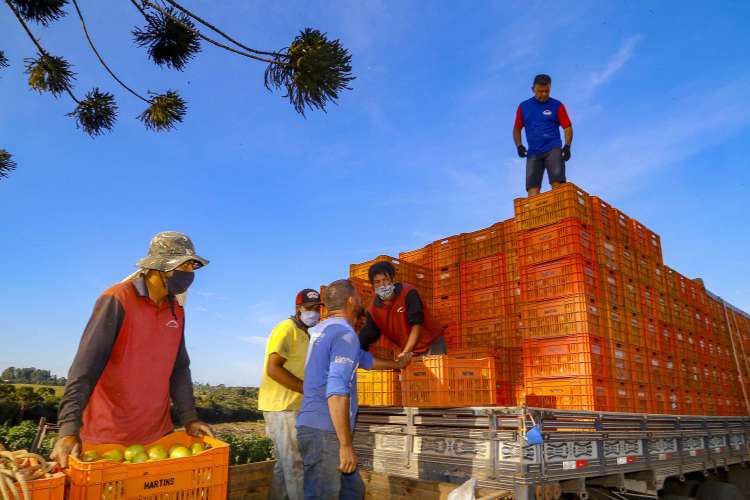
333	356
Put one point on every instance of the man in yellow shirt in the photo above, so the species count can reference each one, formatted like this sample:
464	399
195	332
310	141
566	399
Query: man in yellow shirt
280	394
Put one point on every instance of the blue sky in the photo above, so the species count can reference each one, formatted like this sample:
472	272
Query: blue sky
419	150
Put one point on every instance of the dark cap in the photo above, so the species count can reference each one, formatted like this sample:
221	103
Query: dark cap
542	80
308	297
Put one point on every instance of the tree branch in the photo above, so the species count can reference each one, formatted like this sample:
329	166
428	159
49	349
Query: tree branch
36	42
99	57
217	30
204	37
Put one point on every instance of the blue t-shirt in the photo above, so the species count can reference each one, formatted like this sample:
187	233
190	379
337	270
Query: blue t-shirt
331	370
542	121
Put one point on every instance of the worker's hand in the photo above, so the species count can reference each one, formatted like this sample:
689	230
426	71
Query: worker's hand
521	151
404	359
64	447
196	428
347	459
566	152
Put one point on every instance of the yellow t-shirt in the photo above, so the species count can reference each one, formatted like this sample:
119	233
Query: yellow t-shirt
290	342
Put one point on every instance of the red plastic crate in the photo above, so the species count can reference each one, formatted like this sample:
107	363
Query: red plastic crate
648	300
651	333
446	252
487	303
447	382
553	206
645	269
483	273
573	275
572	393
570	356
482	243
558	317
567	237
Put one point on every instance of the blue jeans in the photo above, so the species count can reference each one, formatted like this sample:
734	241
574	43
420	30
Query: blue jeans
320	455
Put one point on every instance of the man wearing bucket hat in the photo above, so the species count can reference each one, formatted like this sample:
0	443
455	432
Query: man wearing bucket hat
280	395
132	359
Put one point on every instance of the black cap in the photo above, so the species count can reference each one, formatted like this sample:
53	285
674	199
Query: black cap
308	297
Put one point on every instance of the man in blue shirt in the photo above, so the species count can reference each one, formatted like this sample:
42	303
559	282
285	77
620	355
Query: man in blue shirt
542	118
325	423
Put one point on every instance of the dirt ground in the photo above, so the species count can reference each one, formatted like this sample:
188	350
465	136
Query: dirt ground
239	428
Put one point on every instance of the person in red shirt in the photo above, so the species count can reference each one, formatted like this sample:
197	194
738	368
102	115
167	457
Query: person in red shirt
399	313
132	359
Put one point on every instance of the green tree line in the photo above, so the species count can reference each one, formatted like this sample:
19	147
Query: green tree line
32	375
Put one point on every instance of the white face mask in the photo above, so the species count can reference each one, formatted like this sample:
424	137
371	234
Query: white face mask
309	318
385	292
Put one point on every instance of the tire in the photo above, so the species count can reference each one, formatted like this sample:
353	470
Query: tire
712	490
686	489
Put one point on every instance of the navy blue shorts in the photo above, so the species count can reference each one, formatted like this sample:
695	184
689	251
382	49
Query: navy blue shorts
551	161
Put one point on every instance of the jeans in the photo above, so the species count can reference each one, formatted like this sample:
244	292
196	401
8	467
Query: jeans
287	473
323	481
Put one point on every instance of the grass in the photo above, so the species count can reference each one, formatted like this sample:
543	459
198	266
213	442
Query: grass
57	388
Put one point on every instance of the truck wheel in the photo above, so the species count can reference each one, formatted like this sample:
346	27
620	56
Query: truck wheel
686	488
712	490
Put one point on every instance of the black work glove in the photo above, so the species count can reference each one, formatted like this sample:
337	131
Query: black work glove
521	151
566	152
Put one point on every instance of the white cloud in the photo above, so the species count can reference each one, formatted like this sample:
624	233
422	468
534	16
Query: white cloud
616	62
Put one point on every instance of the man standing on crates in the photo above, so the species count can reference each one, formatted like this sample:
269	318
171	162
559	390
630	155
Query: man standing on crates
399	313
542	118
325	425
132	358
280	395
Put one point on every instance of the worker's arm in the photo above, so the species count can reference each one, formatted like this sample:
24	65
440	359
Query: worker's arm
181	392
369	334
517	126
93	354
415	318
339	407
346	355
569	135
275	369
389	364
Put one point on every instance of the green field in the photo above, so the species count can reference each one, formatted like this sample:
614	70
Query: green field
57	388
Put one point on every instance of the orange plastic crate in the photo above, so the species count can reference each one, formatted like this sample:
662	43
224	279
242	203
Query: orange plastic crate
602	215
651	333
626	261
623	225
420	256
558	317
639	365
659	399
567	237
645	269
446	280
573	275
200	476
491	333
641	398
655	369
610	287
570	356
572	393
447	307
646	240
613	320
553	206
634	329
481	304
631	294
446	252
378	388
619	361
446	382
482	243
606	251
621	396
49	488
482	273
